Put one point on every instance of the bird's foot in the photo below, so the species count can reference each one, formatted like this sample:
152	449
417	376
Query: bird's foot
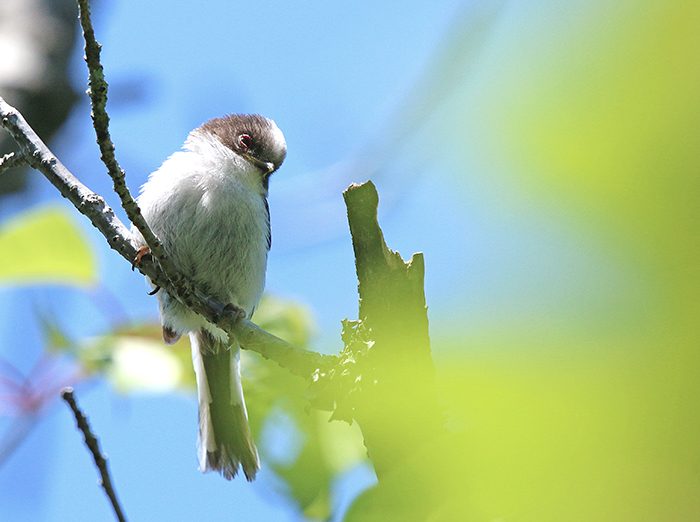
235	312
143	251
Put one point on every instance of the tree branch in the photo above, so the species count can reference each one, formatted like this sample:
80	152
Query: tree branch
94	446
297	360
38	156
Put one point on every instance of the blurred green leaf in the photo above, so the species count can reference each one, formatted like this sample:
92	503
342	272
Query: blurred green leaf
286	319
322	449
143	365
56	338
135	360
585	118
45	246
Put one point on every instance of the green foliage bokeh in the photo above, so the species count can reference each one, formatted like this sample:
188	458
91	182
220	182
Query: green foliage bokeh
44	246
586	116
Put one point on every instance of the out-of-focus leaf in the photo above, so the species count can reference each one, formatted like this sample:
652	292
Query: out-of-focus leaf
45	246
135	360
586	114
143	366
321	449
55	337
341	444
286	319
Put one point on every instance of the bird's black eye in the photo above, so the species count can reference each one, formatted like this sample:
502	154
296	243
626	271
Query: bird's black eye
245	141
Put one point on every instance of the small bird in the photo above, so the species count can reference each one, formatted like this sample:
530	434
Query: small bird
208	206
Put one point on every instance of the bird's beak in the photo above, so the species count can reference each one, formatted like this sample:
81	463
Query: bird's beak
265	166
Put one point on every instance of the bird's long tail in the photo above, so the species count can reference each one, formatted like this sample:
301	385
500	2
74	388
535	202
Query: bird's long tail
224	440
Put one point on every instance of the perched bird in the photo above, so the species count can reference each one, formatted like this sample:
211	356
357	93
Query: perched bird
208	205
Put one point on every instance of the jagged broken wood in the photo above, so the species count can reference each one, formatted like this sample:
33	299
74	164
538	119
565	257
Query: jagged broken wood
385	377
397	407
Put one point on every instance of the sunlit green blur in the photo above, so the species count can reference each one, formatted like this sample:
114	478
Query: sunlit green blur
588	113
45	246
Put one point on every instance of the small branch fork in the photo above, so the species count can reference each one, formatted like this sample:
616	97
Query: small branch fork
11	160
94	446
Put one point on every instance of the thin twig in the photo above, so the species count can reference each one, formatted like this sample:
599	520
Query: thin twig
98	99
10	160
94	446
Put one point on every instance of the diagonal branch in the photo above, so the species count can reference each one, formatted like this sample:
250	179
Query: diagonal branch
94	446
38	156
297	360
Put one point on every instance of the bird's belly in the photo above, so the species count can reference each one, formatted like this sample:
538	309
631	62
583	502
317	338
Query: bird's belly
224	249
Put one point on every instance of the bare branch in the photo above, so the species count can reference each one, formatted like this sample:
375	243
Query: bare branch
304	363
94	446
94	207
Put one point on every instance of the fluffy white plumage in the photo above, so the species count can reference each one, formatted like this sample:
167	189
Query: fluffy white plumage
208	206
